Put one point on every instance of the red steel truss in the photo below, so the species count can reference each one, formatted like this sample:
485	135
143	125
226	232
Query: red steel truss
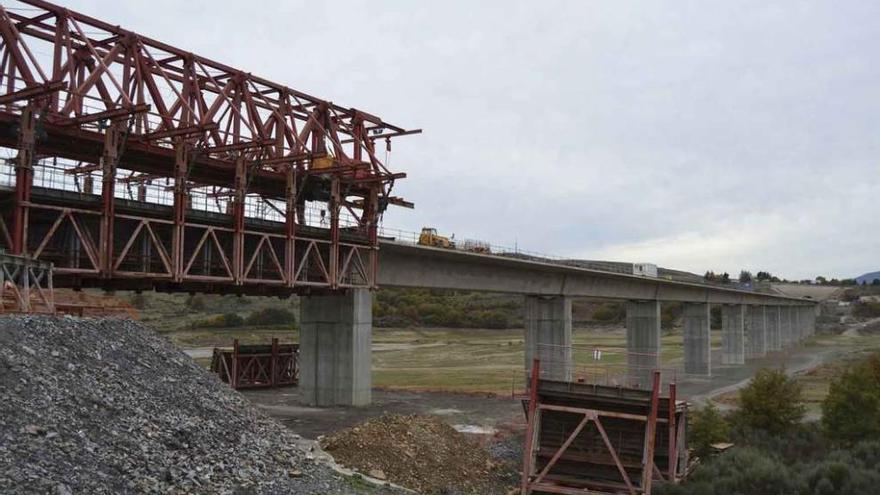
91	102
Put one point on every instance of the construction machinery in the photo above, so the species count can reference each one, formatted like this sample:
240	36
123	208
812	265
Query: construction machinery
429	237
477	247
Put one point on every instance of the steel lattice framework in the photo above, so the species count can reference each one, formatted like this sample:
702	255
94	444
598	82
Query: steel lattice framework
91	102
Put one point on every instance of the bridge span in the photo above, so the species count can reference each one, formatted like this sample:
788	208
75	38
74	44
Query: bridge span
133	164
335	328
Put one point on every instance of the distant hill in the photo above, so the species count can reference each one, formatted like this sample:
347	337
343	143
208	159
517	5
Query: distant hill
868	278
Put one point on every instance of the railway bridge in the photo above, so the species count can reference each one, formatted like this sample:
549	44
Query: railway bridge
133	164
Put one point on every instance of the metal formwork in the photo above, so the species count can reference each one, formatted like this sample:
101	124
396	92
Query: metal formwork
252	366
137	164
597	439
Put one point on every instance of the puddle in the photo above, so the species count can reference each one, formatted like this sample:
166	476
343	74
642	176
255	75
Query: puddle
475	429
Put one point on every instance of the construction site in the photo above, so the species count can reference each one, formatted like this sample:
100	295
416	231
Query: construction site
141	180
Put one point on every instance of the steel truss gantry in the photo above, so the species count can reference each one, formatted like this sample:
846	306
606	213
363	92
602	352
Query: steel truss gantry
131	112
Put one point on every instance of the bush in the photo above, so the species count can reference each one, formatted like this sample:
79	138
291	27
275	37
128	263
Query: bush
610	313
669	314
866	309
845	472
195	302
740	471
706	427
227	320
851	410
771	402
271	316
804	442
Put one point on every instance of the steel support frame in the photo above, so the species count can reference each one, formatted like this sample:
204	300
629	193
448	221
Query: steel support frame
533	481
275	368
201	123
28	283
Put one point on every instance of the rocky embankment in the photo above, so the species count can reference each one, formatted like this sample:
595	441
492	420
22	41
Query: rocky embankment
108	406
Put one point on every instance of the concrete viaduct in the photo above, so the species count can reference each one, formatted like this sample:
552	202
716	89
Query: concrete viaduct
336	329
190	175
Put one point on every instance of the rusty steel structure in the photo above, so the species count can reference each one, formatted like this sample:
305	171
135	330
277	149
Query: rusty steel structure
254	366
26	285
137	164
597	439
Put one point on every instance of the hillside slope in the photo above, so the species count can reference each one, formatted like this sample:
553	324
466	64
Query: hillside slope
868	278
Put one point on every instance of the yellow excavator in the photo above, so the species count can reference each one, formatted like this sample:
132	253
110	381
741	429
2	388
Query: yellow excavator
429	237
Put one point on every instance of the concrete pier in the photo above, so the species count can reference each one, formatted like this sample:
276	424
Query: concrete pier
733	318
786	329
548	335
810	315
756	332
642	341
697	345
335	349
774	341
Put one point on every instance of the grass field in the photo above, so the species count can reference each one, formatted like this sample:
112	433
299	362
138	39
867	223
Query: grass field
465	360
816	382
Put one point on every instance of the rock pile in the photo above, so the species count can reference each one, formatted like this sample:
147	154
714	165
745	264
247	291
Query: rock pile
108	406
419	452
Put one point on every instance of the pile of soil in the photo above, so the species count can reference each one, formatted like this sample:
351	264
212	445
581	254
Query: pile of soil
419	452
108	406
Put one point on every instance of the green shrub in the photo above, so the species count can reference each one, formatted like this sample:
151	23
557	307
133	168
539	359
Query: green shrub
271	316
845	472
771	402
226	320
195	302
706	427
669	314
851	410
232	320
492	319
740	471
610	313
866	309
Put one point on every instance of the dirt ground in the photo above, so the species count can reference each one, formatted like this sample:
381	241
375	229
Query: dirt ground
469	412
499	414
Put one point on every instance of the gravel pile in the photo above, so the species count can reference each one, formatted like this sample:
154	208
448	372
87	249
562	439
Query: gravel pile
419	452
108	406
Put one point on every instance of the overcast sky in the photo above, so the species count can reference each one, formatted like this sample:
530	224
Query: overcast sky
692	134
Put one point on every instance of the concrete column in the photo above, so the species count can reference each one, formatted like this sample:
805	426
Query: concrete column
697	345
756	332
797	320
810	312
642	341
733	349
335	348
785	327
548	336
774	342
